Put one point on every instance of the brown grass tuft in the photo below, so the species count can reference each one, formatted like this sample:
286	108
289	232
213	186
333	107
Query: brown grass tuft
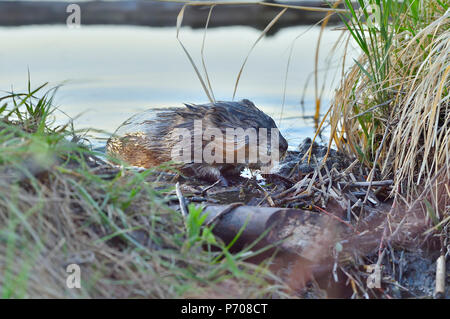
406	132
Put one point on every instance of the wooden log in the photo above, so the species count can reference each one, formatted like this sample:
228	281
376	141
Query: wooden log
155	14
439	291
308	234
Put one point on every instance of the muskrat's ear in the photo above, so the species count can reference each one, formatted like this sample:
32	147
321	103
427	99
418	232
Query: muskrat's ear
248	103
190	107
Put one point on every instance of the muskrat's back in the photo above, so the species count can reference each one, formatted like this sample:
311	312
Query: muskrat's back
142	139
147	139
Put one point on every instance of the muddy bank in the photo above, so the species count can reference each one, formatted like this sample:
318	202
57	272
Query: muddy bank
309	216
157	14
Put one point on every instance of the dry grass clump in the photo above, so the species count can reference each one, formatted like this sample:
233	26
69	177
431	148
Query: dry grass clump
392	109
60	204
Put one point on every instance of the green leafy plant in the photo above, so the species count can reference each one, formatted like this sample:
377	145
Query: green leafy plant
197	232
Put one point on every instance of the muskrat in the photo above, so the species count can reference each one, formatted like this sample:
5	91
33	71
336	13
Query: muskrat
149	138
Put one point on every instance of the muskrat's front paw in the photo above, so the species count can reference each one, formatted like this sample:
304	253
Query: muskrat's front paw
223	181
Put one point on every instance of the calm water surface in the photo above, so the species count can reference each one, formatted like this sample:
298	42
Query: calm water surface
111	72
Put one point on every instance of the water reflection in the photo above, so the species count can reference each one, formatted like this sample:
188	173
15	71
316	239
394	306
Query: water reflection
114	71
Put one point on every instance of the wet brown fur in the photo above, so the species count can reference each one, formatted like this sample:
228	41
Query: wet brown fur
147	138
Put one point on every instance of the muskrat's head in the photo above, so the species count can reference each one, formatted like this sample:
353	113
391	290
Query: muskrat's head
254	132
